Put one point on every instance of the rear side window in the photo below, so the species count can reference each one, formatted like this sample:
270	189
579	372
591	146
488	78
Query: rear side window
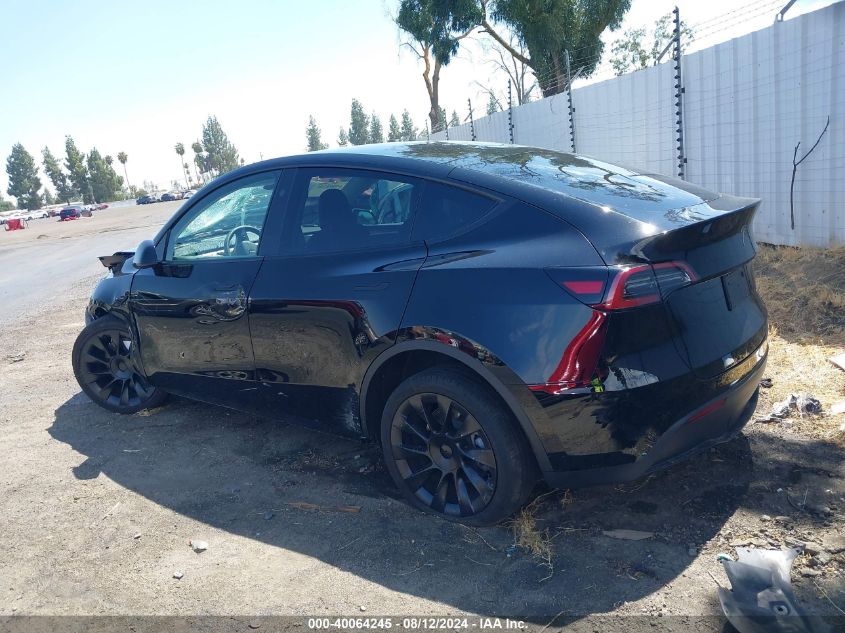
446	211
343	209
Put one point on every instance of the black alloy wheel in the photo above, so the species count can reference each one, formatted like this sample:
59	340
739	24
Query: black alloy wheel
453	449
106	371
443	454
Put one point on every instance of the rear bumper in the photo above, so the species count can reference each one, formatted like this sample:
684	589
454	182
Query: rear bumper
715	421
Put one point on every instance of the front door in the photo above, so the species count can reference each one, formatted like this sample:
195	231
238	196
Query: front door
191	310
334	297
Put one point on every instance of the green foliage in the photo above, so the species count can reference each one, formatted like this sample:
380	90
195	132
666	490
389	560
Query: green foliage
78	172
122	158
342	138
49	198
221	155
359	125
629	53
376	130
493	105
548	28
105	183
65	191
437	27
441	119
393	132
408	131
5	205
180	149
454	121
312	135
24	182
438	24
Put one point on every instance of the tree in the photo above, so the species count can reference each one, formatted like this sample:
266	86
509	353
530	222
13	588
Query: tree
342	138
493	105
180	150
549	28
77	171
359	125
517	71
5	205
312	135
221	156
629	53
199	160
376	130
64	189
454	121
436	28
105	183
408	131
24	182
393	132
49	198
122	158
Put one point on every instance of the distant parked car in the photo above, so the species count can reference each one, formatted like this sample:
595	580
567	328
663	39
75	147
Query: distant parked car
188	194
100	206
170	196
74	213
147	199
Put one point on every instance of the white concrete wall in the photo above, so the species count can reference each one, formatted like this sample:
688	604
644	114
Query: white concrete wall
747	103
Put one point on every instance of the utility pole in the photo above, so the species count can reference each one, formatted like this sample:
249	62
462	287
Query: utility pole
471	122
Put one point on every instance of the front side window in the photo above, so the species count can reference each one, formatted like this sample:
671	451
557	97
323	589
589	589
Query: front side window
227	223
342	209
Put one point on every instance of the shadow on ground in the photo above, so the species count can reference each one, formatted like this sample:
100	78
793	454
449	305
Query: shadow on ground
233	472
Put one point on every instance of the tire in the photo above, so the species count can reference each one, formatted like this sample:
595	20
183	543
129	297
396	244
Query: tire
104	368
473	467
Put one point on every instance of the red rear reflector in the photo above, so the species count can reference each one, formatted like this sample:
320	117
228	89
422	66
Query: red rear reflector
584	287
710	408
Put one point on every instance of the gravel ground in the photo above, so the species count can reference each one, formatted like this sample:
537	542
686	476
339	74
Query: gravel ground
97	511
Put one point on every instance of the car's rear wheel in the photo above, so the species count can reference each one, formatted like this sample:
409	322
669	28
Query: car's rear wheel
454	450
105	369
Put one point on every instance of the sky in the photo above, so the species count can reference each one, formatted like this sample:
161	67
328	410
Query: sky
141	77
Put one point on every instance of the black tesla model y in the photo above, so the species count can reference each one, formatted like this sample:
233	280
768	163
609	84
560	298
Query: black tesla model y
490	314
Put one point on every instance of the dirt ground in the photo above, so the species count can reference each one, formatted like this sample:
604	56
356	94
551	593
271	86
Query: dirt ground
97	510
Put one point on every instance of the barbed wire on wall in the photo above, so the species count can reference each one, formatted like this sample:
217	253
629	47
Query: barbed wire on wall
747	106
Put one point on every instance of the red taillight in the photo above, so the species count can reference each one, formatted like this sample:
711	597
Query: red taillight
629	287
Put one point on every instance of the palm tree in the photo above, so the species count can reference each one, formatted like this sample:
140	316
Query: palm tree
122	158
180	149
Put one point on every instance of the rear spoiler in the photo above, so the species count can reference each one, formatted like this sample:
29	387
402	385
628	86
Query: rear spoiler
115	262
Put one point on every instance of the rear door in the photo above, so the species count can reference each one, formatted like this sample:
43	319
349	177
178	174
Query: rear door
191	310
333	297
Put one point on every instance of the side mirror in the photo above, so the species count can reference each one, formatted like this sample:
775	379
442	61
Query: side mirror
145	255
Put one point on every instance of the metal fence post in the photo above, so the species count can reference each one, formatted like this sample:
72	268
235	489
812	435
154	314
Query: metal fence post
569	100
471	122
679	96
510	111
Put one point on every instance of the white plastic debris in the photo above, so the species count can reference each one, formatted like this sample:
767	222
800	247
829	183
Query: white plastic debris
198	546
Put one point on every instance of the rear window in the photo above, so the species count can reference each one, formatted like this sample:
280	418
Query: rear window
447	211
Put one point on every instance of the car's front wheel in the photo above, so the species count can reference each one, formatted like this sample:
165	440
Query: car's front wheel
105	369
454	450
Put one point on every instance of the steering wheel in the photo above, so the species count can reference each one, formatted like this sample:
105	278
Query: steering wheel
233	244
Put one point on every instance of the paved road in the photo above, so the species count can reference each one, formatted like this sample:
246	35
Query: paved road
38	264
